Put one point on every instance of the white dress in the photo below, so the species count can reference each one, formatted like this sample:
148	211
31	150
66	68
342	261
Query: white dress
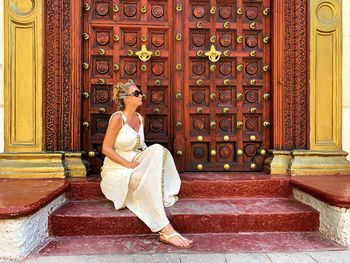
146	189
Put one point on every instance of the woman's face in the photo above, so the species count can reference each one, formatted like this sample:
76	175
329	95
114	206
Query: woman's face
131	99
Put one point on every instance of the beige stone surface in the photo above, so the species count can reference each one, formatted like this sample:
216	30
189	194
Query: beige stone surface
346	77
18	237
334	221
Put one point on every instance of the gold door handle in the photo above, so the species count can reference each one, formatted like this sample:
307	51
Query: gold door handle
144	54
213	54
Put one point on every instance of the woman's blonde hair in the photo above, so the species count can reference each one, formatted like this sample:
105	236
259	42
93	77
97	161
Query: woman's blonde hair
120	91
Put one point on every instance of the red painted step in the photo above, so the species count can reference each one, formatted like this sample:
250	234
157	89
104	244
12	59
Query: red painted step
203	185
203	243
98	217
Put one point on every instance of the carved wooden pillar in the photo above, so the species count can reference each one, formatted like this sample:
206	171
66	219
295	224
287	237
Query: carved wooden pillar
23	156
290	82
62	82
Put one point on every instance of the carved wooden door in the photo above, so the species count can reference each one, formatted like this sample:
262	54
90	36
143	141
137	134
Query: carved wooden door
119	36
206	80
226	84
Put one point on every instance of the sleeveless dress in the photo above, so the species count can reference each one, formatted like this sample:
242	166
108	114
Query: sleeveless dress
146	189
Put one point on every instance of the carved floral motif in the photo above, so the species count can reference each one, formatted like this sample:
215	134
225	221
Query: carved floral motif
157	97
157	11
198	97
252	96
199	124
225	96
156	125
102	96
130	38
251	40
198	39
225	152
225	124
158	39
198	68
251	12
130	10
157	68
102	38
250	149
225	12
199	152
198	11
102	9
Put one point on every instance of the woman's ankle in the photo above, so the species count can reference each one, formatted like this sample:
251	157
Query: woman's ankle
168	229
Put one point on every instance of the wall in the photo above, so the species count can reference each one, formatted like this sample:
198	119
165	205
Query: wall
1	76
346	77
334	221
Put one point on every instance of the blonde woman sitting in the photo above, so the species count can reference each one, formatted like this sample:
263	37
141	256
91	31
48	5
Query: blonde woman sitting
143	179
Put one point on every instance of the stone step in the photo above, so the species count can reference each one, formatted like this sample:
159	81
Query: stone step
223	243
225	215
203	185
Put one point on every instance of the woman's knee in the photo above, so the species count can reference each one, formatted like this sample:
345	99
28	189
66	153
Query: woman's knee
157	147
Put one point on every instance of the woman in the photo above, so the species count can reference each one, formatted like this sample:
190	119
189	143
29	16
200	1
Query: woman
143	179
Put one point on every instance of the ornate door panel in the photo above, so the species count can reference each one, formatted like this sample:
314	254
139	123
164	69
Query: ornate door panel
226	84
207	79
118	38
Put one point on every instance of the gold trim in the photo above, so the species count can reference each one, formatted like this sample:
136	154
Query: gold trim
165	155
138	142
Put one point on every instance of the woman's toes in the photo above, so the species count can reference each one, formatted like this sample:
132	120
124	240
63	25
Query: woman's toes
187	243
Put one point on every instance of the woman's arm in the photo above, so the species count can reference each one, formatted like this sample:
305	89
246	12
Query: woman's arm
113	129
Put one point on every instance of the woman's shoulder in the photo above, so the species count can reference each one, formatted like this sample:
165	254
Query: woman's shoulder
116	117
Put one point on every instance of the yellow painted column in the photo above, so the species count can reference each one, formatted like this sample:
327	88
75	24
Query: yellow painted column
325	155
23	156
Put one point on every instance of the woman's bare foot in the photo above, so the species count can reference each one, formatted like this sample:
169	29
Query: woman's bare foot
175	240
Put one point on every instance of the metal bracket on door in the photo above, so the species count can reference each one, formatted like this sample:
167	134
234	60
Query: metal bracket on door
213	54
144	54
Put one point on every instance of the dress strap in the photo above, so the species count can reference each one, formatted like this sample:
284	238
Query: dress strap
123	117
140	117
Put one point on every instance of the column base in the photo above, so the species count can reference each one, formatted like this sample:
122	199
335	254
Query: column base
74	164
308	162
32	165
277	162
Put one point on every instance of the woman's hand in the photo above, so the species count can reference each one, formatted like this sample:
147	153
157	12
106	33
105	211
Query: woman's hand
132	164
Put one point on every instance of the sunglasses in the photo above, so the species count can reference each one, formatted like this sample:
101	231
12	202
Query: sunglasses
136	93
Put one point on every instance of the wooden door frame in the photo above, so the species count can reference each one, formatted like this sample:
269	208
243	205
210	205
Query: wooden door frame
62	41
